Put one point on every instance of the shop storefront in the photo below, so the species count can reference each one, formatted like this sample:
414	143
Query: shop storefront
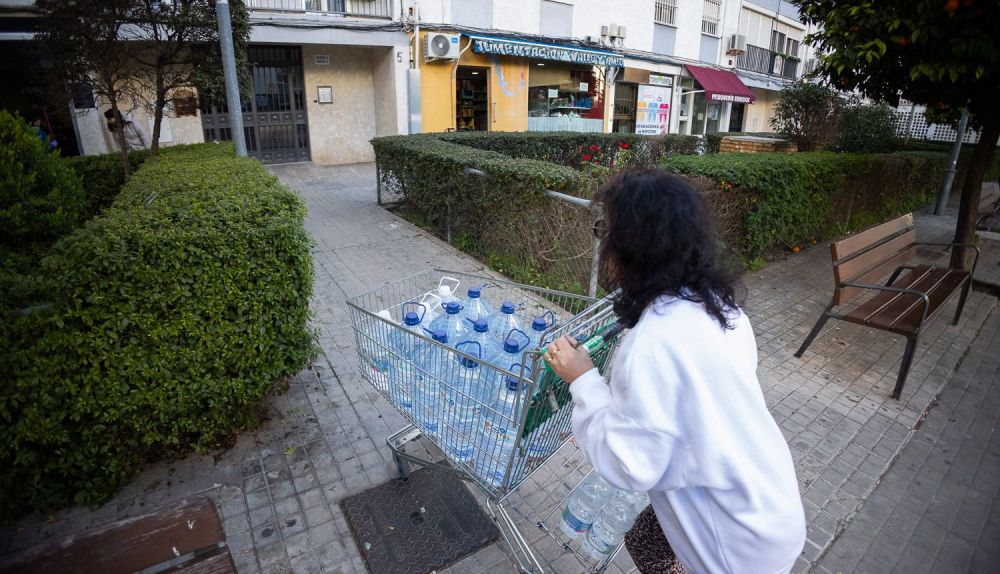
644	101
505	84
708	97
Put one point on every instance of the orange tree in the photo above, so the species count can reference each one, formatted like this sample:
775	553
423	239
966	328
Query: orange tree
944	54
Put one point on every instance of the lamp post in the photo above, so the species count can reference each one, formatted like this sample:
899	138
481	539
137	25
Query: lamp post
229	73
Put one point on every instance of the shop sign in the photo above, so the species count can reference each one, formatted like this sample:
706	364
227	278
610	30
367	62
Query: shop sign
717	97
652	110
656	80
546	52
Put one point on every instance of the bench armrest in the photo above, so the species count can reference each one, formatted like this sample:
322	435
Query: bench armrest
975	261
923	296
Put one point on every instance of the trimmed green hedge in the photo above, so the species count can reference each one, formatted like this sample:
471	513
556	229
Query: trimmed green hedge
169	318
568	148
40	198
103	177
803	197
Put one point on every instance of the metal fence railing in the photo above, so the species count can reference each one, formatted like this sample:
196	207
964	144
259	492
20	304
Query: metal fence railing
366	8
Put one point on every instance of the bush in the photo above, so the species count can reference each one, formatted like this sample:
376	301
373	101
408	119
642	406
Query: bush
103	177
41	198
867	128
169	317
803	197
809	115
567	148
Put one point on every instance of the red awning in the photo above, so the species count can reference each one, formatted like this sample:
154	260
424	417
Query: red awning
722	85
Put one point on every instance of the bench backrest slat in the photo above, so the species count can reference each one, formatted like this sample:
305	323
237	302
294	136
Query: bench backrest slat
862	241
129	545
872	255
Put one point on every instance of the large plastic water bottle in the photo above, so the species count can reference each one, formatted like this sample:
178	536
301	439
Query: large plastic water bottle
452	324
407	371
500	423
610	527
446	289
584	505
428	404
475	307
488	346
404	341
539	325
375	346
432	305
513	346
461	392
505	321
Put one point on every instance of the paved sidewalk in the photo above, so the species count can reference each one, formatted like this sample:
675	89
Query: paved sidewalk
279	488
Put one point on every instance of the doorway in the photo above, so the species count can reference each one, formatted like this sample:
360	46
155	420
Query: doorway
274	116
472	99
736	117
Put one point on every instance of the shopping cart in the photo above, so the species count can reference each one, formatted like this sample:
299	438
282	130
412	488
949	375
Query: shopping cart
462	419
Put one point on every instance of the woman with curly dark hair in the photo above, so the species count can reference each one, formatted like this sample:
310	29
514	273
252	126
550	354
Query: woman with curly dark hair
683	417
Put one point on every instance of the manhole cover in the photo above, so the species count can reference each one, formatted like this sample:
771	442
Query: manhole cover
418	525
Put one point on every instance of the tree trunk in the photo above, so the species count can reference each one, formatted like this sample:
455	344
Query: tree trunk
161	95
965	231
120	138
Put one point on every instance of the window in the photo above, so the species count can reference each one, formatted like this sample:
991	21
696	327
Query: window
778	42
666	11
710	17
185	104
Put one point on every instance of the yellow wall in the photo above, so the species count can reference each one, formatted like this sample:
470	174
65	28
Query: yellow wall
339	132
508	91
759	114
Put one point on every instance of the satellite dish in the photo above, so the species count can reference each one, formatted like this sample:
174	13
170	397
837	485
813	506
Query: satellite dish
440	46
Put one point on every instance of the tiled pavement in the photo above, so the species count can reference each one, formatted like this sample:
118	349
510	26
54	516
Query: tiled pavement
278	488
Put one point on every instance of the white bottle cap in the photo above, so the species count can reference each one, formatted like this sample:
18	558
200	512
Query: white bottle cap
385	314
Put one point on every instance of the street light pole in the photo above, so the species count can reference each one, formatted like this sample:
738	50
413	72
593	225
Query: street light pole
949	173
229	72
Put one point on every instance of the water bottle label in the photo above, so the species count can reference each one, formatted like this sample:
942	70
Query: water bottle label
601	543
575	523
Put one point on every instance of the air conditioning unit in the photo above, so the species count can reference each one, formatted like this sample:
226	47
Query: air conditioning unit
737	45
441	46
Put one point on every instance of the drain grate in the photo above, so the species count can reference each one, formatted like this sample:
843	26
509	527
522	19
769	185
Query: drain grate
417	525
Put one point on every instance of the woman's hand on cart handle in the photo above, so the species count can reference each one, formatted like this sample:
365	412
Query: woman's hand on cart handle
568	358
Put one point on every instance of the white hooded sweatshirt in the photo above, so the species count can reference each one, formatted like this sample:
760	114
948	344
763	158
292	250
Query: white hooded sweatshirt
684	419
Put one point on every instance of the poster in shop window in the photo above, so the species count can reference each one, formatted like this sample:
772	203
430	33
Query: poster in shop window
652	110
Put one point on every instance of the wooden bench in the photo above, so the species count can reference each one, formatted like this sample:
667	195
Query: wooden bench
911	296
186	536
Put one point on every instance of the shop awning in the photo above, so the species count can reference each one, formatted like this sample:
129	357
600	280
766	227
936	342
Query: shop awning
722	85
543	51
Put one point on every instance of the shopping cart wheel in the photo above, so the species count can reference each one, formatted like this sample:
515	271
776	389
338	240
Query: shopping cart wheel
397	444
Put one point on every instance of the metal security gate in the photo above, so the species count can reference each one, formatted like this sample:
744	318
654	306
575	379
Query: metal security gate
274	117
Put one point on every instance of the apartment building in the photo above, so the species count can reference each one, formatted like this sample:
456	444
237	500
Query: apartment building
328	75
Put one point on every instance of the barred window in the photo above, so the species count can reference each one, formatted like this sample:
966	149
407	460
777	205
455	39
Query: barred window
710	17
185	104
666	11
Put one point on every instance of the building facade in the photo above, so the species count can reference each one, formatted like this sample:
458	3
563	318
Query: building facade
328	75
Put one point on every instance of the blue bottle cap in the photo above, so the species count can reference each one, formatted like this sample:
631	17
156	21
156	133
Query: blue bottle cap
507	307
511	384
539	324
474	292
481	326
511	346
440	335
411	319
452	308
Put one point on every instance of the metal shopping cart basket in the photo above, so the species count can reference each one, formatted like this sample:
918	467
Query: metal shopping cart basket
527	477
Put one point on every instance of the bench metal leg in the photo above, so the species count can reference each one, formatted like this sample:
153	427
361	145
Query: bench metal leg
961	300
904	368
815	331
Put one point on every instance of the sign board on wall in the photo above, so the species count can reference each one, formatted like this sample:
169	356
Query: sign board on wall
652	110
657	80
525	49
322	59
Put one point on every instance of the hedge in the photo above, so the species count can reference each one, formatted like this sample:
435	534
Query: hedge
170	316
567	148
800	198
103	177
41	199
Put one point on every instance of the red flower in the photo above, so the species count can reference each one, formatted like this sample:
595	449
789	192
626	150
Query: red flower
595	147
624	145
586	157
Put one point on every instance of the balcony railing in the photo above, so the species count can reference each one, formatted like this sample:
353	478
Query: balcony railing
367	8
764	61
